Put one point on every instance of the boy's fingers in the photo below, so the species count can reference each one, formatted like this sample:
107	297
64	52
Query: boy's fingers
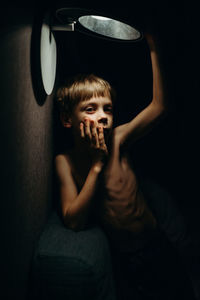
82	130
101	137
102	142
95	139
87	129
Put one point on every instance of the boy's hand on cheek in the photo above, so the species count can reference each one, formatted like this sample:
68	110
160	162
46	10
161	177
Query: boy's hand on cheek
88	129
102	143
94	136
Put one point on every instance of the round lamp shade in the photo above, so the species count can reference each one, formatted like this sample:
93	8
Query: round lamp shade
48	58
109	27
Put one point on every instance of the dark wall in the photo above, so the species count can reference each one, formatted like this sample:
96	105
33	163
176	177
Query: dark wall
26	152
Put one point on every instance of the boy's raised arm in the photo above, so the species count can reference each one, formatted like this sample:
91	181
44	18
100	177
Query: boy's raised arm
147	118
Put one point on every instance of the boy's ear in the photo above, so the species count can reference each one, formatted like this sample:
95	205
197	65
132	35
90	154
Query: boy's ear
65	120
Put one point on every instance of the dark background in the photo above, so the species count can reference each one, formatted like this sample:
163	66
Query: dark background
28	139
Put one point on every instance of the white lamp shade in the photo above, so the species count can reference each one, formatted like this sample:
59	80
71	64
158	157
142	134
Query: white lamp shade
48	58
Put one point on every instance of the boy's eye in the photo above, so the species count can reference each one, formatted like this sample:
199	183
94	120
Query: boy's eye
89	109
108	109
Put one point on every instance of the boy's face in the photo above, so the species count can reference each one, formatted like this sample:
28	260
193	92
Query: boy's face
98	109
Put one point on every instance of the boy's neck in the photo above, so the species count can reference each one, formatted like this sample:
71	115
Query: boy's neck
81	152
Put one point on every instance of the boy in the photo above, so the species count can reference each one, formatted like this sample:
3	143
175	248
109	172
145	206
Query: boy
90	116
95	176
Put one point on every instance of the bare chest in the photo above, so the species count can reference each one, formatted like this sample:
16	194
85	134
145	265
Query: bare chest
121	189
119	178
124	204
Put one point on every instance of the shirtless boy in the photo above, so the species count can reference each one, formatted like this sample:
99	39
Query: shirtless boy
90	114
95	174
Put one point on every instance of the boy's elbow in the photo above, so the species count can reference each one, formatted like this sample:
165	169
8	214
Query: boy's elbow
72	224
75	227
160	104
160	110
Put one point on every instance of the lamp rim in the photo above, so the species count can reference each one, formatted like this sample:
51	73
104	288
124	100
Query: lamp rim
73	14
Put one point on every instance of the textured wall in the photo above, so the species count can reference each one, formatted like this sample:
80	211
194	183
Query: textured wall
26	153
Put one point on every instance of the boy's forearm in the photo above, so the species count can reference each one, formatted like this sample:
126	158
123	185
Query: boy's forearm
76	214
159	93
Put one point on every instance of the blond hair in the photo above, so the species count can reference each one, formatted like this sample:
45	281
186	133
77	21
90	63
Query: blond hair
82	87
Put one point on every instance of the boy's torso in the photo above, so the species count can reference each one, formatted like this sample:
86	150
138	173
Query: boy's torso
124	206
118	198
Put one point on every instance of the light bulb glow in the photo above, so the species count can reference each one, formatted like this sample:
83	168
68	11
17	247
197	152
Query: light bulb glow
100	18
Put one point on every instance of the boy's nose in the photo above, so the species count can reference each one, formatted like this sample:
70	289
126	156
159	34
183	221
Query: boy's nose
103	121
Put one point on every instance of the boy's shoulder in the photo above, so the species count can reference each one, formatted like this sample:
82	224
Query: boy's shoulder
63	160
63	155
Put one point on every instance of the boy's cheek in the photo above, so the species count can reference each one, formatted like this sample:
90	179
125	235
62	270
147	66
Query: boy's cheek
91	120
